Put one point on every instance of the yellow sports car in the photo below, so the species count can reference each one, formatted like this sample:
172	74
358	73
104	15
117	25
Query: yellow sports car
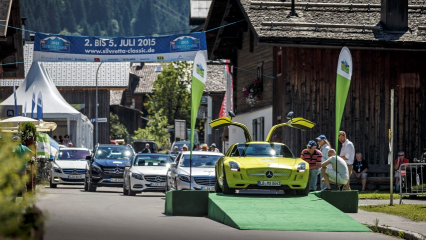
261	164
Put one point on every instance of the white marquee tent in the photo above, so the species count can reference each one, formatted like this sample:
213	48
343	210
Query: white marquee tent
55	108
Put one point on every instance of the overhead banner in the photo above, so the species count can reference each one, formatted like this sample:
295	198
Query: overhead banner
60	48
343	82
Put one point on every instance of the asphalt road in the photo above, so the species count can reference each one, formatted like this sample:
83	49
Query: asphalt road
107	214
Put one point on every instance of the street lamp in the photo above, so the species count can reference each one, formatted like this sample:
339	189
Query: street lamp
97	105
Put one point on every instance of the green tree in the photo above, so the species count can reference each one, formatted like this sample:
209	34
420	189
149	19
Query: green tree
117	130
156	129
171	92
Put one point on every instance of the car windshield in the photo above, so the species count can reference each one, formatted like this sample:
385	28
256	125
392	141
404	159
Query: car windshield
180	145
72	155
114	152
152	160
262	150
204	161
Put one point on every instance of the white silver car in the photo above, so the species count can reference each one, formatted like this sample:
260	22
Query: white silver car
69	166
147	173
202	171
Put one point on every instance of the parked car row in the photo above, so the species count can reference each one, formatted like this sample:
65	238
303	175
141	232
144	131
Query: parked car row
118	166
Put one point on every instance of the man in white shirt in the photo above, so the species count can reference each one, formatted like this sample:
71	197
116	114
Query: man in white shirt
347	153
213	148
340	176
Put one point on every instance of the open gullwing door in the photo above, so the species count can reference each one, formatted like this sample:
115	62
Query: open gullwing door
299	123
226	121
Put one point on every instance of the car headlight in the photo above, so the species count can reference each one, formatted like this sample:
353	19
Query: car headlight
301	167
96	168
137	176
184	178
234	166
57	169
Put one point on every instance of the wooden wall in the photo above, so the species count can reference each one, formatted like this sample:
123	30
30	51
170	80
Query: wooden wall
307	87
246	72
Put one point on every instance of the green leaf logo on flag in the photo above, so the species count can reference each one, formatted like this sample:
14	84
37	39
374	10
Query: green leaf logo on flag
343	82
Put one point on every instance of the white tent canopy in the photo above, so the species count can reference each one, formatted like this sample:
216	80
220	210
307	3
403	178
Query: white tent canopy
55	107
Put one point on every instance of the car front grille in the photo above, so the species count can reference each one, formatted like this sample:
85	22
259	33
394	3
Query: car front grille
260	174
205	181
113	170
155	178
73	171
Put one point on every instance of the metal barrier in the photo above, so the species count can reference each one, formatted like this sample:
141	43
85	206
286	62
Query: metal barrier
412	181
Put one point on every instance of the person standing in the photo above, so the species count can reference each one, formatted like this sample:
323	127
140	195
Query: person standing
204	147
146	149
61	140
67	140
347	153
213	148
324	146
360	169
313	157
399	170
339	176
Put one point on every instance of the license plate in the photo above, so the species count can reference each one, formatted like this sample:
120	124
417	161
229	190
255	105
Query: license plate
158	184
116	180
207	188
268	183
75	177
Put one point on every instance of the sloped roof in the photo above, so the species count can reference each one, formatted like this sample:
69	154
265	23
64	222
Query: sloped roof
147	75
77	74
264	18
308	13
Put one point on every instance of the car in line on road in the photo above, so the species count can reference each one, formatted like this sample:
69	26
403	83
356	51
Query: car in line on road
105	166
68	166
262	164
146	173
202	171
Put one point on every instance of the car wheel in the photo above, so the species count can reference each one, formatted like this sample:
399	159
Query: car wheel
125	192
52	185
130	192
91	187
304	192
86	188
217	187
226	189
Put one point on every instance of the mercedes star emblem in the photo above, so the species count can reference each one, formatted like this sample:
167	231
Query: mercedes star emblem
117	171
75	172
269	174
158	178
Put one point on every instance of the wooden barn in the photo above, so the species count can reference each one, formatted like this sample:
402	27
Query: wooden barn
297	50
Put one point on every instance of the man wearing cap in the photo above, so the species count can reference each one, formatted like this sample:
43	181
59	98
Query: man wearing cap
341	177
213	148
146	149
347	153
313	157
324	147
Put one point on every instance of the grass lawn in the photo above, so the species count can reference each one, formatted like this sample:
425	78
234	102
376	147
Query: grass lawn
383	195
415	212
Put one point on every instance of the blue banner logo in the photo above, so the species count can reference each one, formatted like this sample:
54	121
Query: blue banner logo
54	44
185	43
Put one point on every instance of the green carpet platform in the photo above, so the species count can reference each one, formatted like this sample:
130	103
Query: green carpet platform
269	212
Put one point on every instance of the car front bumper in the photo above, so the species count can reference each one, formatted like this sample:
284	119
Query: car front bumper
207	185
251	178
62	178
148	184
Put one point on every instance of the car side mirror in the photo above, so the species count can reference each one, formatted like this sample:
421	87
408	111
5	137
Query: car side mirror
173	165
89	158
127	165
51	159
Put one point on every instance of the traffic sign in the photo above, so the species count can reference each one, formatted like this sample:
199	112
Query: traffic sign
100	120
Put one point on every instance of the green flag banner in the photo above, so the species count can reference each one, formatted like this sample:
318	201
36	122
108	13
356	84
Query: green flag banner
343	82
199	76
43	145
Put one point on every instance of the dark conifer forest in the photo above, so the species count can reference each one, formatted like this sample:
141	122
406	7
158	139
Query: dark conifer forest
107	17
